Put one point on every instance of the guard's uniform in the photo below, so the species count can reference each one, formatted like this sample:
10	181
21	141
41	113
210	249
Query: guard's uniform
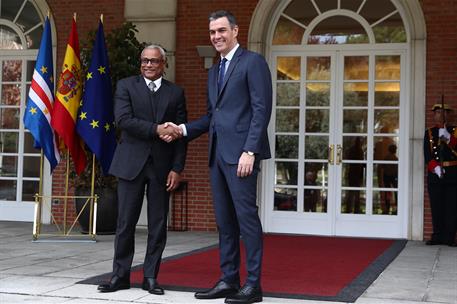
442	191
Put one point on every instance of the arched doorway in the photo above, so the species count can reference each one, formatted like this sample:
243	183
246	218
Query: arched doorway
341	119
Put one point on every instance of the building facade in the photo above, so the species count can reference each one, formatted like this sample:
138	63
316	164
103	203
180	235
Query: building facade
353	82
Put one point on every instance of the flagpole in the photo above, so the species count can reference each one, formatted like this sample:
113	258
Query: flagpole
38	199
66	194
92	191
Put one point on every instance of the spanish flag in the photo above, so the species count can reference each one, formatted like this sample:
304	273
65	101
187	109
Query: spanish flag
68	98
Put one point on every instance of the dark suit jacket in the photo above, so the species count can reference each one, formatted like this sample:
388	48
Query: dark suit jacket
138	119
240	114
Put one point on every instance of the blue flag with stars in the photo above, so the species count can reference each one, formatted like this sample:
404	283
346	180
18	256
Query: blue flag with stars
95	122
37	115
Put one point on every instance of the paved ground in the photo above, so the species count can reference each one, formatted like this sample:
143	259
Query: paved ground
46	272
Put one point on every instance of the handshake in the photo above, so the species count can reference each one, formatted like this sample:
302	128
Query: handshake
169	131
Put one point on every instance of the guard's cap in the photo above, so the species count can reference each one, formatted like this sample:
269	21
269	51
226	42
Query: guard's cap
438	106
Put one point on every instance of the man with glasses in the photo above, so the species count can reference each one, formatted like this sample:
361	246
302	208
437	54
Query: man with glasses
142	104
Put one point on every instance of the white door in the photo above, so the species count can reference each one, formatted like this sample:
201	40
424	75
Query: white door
337	143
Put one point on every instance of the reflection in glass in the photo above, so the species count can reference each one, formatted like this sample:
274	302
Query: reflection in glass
354	174
317	121
30	69
29	143
8	166
387	94
288	94
286	146
29	188
9	142
11	94
286	173
31	166
348	31
287	32
356	68
316	147
12	70
372	11
320	170
317	94
388	67
355	94
301	11
354	147
10	40
353	201
382	146
352	5
386	121
288	68
390	30
386	175
287	120
385	202
318	68
28	17
285	199
9	118
355	121
7	190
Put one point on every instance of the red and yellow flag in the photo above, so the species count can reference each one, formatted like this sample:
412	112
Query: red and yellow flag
68	98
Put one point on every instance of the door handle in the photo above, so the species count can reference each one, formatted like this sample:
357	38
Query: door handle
339	154
331	158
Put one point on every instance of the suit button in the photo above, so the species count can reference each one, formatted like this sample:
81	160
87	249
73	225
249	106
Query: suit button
217	109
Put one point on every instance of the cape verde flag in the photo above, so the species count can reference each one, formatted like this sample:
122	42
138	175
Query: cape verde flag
37	116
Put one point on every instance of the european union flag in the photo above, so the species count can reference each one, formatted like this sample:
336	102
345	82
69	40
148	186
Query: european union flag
95	123
37	115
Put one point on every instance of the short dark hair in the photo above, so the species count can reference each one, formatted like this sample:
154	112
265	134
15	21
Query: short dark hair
222	13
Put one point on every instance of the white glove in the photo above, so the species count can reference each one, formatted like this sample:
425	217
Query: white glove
438	171
443	133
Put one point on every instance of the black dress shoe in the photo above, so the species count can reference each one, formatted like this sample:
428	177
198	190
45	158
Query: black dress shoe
246	295
220	290
432	242
116	283
452	244
152	286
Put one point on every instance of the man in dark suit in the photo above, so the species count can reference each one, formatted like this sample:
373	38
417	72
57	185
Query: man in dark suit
239	109
141	104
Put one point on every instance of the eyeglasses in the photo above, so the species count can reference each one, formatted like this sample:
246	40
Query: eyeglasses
153	61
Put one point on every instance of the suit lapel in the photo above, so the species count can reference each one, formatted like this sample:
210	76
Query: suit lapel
232	65
143	95
161	102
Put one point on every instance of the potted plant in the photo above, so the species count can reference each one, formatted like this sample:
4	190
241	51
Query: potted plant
123	53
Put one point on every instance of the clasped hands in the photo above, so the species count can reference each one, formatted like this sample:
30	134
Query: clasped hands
169	131
444	135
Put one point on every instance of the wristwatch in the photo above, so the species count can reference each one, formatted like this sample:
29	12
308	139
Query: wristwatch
250	153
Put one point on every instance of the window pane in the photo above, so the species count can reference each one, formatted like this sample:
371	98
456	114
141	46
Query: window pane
356	68
353	201
288	68
317	94
387	94
338	30
354	147
8	166
9	39
29	143
9	118
315	200
9	9
31	166
7	190
372	11
355	121
316	172
316	147
383	147
11	94
287	32
12	70
352	5
354	175
355	94
286	146
318	68
390	30
285	199
287	120
30	69
301	11
288	94
29	189
386	121
9	142
386	175
28	17
385	202
387	67
286	173
315	188
317	121
34	38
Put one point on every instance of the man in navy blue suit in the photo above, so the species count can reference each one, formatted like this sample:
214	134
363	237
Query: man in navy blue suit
239	109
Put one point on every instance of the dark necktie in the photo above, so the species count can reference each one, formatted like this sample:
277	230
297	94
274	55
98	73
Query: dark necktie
220	80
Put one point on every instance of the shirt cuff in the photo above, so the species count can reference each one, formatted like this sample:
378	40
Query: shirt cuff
184	130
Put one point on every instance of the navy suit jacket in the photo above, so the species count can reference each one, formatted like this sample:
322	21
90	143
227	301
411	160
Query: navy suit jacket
240	113
137	120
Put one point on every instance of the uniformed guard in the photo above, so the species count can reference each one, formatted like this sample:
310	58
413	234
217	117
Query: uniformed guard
440	151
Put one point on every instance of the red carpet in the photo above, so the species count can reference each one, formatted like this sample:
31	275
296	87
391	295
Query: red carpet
310	267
